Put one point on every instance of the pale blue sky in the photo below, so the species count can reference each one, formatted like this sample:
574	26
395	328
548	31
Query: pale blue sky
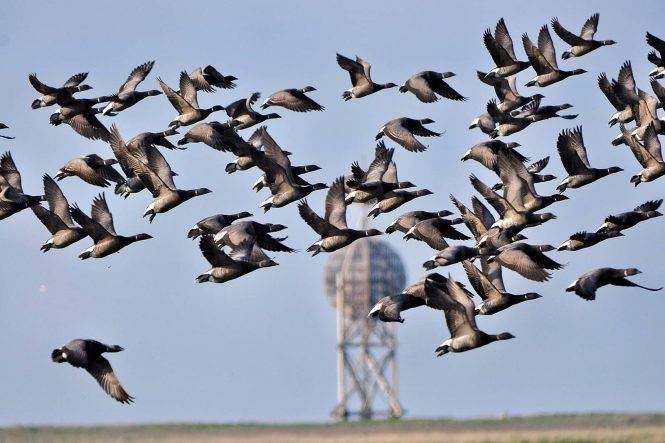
262	347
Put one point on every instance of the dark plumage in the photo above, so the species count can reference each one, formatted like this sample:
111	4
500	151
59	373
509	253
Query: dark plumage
500	47
583	239
87	354
207	78
91	169
248	257
64	94
583	43
403	131
127	94
586	285
186	103
215	223
361	80
250	231
294	100
625	220
543	60
244	115
527	260
426	85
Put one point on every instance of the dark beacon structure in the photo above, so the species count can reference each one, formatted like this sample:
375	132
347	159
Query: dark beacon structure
355	278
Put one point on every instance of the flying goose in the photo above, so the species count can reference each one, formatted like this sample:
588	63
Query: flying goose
4	126
87	354
403	131
487	153
451	255
248	153
506	124
237	233
583	239
625	220
100	228
394	199
434	231
244	115
217	135
527	260
389	308
51	95
215	223
543	60
648	154
534	169
12	198
80	115
513	218
506	91
186	103
122	153
145	139
297	171
426	85
361	80
644	109
658	58
158	179
460	319
519	186
334	232
494	299
207	78
572	151
57	219
279	174
241	261
484	122
500	47
294	100
586	285
580	44
408	220
91	169
127	94
538	113
379	179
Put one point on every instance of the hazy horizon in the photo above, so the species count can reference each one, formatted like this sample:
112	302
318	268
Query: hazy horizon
251	350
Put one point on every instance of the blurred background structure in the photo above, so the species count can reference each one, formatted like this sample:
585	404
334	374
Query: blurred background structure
355	278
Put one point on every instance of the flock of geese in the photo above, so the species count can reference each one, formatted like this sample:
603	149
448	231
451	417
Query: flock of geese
234	245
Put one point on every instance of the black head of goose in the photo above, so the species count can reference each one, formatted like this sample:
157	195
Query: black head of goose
101	229
215	223
583	43
87	354
586	285
500	47
334	232
583	239
186	103
394	199
543	60
51	95
407	220
459	310
494	299
127	94
361	80
658	58
625	220
57	218
403	131
207	78
294	100
428	85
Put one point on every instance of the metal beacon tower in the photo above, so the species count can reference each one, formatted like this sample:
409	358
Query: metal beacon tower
355	278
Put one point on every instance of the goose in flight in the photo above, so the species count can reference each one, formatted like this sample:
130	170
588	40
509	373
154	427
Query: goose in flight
543	60
427	86
100	228
57	218
587	284
334	232
127	95
583	43
215	223
241	261
656	57
295	100
244	116
409	219
87	354
403	131
500	47
91	169
63	94
625	220
527	260
460	313
361	80
186	103
207	78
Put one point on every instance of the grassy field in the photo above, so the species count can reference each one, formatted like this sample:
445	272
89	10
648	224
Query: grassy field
542	429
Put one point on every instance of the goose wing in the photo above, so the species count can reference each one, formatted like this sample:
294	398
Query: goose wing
96	231
135	77
101	370
540	64
422	89
177	101
546	46
398	132
356	70
188	90
335	205
52	222
318	224
9	173
609	91
570	146
500	204
75	80
215	256
57	201
590	27
566	35
101	214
